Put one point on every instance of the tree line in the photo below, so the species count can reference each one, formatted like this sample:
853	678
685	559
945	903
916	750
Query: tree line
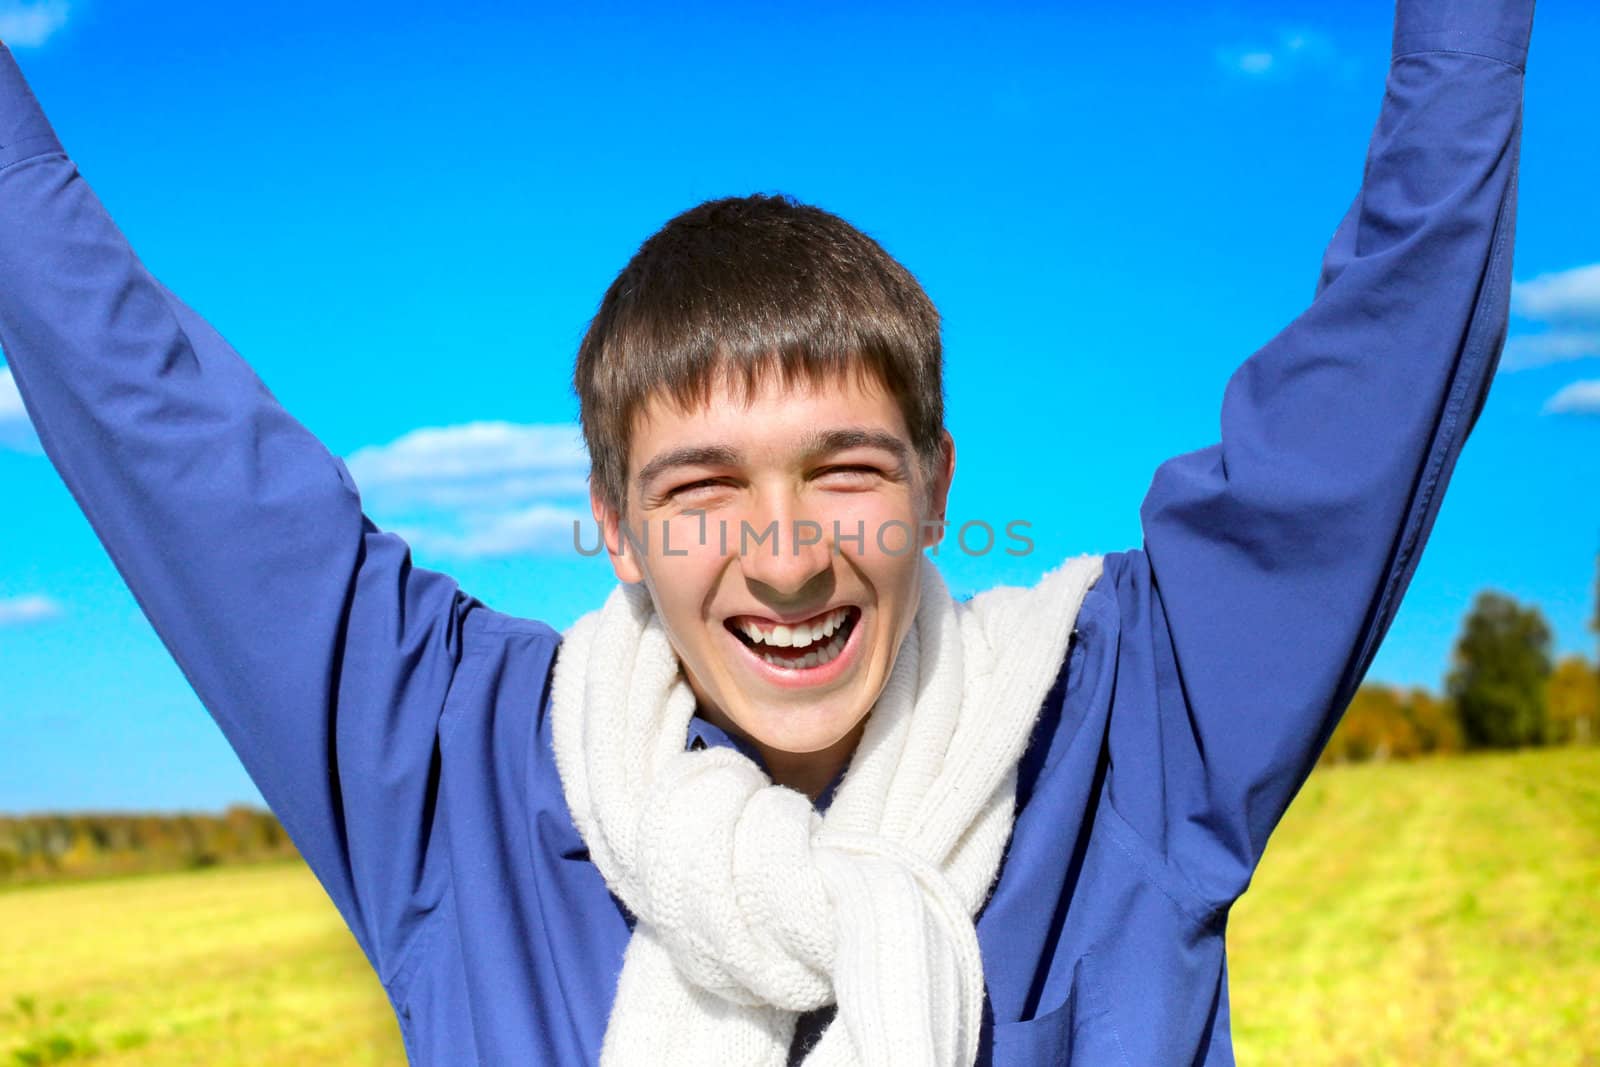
37	848
1504	689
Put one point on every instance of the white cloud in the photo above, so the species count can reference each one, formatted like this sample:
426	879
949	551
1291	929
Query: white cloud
471	452
479	489
489	492
29	25
19	610
16	432
1579	398
1543	349
1569	302
540	530
1562	296
1293	51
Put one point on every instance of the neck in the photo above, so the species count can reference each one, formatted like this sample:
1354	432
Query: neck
805	772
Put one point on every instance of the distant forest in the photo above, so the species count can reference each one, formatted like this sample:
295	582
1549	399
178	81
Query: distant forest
36	848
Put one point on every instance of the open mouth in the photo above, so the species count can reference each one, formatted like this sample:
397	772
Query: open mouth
807	646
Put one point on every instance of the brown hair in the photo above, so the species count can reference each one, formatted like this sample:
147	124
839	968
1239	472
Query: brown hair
743	286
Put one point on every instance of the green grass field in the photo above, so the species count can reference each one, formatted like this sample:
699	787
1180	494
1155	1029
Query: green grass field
1440	912
224	967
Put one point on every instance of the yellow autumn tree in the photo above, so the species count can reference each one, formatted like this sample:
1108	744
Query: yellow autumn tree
1374	727
1572	703
1434	720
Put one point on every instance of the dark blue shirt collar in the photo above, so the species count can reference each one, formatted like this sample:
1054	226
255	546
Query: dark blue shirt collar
705	734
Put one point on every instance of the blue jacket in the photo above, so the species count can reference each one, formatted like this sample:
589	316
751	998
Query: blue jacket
400	729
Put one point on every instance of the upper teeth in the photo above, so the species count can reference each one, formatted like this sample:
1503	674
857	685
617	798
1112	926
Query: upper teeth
797	636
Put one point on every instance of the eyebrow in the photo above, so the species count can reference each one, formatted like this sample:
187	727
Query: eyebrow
819	443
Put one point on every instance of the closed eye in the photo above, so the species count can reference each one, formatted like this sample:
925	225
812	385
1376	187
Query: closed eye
852	473
848	474
704	483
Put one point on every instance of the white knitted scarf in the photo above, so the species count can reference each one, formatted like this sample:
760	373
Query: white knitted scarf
751	907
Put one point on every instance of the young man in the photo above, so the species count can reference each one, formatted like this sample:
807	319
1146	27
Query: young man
1007	831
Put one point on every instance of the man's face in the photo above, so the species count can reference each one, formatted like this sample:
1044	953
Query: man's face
784	630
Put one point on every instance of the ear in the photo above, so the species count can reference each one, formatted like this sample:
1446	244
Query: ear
623	561
938	495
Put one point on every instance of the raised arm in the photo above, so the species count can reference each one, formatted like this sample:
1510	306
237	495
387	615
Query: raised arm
321	653
1274	561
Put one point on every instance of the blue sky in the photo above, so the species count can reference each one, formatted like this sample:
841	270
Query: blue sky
403	219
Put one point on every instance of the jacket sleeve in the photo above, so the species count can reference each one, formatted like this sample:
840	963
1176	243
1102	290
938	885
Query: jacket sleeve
323	655
1274	561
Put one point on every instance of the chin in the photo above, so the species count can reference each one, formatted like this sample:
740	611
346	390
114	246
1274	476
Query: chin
802	730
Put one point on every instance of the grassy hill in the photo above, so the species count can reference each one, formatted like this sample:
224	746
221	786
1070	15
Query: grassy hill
222	967
1439	912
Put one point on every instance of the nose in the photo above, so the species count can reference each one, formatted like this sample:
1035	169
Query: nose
784	550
